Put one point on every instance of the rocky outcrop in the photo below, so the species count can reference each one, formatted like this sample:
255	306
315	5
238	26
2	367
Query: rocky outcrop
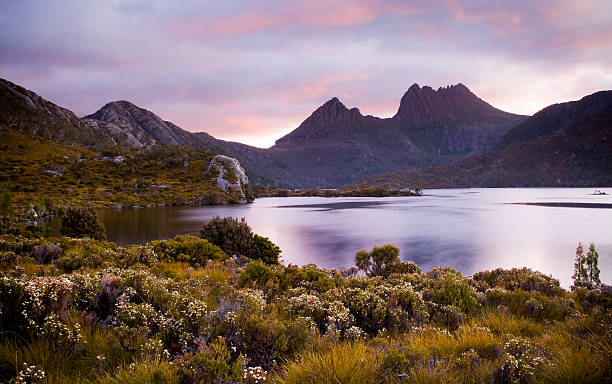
230	177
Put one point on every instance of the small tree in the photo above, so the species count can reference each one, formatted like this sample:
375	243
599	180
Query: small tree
586	269
380	262
592	260
82	222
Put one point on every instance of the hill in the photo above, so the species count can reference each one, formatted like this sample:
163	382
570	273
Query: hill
39	177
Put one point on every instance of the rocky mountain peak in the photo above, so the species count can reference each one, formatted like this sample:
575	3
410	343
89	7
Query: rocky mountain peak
146	126
333	111
426	106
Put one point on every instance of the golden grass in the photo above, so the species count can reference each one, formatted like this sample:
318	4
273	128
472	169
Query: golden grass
343	363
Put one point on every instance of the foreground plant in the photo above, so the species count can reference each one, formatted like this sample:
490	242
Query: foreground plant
184	311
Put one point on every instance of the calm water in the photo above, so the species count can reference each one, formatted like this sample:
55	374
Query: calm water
467	229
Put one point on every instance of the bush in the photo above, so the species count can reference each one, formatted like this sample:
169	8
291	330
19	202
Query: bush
233	236
82	222
450	288
188	248
265	250
380	262
236	238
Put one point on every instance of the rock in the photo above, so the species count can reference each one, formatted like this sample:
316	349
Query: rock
230	176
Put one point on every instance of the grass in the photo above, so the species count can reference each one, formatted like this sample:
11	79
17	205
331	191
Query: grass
345	363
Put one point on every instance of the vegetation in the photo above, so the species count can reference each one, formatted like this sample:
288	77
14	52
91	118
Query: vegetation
235	237
586	269
82	222
40	177
360	190
82	310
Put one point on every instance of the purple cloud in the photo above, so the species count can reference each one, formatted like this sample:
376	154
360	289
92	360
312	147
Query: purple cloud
252	71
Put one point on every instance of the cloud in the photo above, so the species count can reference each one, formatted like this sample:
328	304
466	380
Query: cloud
252	71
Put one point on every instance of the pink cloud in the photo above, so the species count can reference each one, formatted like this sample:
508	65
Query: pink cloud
317	14
502	22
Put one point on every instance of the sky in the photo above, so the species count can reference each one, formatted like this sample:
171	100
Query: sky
252	71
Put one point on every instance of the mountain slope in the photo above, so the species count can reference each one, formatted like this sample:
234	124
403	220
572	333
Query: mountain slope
556	116
567	144
28	112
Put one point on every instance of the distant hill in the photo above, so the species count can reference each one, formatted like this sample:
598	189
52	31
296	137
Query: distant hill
333	147
568	144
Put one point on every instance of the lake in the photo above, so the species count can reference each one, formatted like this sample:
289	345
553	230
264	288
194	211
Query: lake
467	229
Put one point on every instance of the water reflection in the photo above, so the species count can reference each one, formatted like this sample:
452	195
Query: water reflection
469	230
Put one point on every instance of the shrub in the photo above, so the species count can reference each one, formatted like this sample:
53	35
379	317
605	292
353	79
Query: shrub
515	278
379	262
82	222
265	250
188	248
214	364
450	288
256	273
46	253
233	236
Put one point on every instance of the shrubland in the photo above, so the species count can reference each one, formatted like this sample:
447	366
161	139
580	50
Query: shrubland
39	177
200	310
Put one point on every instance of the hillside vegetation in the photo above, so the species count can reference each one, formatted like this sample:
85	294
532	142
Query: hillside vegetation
184	311
42	176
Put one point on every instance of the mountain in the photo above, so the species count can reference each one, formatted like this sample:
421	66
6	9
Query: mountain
452	120
337	145
28	112
556	116
568	144
332	147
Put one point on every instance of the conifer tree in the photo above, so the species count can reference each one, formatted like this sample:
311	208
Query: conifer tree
592	260
580	275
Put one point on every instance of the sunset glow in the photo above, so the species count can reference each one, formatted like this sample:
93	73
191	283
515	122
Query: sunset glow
252	71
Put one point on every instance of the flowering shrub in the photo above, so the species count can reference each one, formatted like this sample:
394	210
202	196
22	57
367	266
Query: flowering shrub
28	375
255	375
60	335
520	362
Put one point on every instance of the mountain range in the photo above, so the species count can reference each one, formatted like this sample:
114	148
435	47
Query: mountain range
433	133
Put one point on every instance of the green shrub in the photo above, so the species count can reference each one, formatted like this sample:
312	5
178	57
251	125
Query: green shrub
215	364
448	287
515	278
379	262
256	274
265	250
188	248
233	236
82	222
